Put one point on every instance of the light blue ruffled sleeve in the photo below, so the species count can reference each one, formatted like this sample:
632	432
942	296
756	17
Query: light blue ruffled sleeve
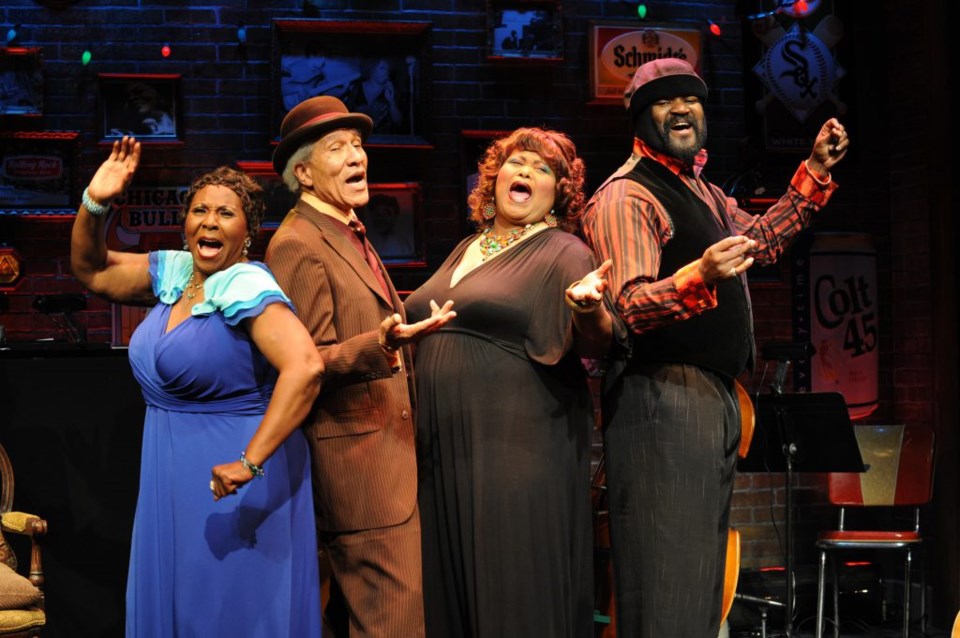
169	272
241	291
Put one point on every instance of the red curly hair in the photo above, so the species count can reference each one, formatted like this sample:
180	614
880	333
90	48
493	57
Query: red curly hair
560	154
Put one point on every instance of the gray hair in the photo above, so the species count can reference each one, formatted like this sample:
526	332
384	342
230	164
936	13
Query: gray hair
299	157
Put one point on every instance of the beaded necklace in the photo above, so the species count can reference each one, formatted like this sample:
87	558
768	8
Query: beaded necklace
193	286
491	244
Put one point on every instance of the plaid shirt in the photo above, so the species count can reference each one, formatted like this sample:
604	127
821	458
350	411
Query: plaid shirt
623	221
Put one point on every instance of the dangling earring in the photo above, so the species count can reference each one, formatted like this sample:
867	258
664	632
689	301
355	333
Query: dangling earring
186	246
550	219
489	211
246	246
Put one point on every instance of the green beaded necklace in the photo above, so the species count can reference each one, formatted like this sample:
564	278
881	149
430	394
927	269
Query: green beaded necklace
491	244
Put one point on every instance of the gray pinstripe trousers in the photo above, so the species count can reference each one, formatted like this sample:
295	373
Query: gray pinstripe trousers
670	447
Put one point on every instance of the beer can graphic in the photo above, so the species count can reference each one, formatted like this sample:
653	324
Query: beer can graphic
844	319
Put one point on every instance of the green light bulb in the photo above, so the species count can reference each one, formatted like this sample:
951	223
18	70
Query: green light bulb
86	57
642	11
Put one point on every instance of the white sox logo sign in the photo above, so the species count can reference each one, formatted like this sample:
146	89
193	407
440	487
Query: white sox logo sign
798	68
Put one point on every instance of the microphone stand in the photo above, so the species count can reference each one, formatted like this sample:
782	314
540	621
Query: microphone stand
762	604
789	450
802	422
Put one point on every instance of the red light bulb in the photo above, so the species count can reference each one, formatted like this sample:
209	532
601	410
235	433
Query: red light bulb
165	51
714	28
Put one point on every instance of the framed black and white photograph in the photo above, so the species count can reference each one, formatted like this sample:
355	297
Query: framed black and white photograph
38	170
21	81
393	221
376	68
143	105
524	30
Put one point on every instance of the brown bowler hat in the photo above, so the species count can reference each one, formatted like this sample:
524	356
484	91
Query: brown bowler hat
312	119
662	79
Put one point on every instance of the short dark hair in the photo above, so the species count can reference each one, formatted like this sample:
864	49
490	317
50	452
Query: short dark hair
248	190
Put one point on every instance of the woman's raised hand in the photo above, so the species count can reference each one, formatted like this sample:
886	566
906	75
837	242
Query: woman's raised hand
116	172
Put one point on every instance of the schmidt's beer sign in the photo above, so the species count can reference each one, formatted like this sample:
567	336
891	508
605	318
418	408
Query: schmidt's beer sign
618	49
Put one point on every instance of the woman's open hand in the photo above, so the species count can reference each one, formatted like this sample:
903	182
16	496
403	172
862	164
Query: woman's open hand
394	333
116	172
586	294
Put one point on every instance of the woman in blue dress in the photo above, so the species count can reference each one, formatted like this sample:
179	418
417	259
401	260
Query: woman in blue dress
227	370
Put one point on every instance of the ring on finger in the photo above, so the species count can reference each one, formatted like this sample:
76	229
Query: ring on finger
213	487
733	272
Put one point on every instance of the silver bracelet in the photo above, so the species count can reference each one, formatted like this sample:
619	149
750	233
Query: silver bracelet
255	469
94	208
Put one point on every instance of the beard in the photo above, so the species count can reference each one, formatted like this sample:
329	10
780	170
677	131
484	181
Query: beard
658	135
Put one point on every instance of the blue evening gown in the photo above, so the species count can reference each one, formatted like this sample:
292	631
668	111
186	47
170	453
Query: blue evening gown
246	565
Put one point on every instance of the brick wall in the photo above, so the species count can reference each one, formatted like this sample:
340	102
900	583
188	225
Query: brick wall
227	87
227	116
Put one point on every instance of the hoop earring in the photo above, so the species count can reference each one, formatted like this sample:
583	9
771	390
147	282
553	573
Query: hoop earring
550	219
489	211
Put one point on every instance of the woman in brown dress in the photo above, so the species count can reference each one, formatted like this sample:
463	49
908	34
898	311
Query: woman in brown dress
504	417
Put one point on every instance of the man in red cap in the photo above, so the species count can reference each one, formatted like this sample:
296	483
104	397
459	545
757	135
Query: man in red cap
361	429
680	249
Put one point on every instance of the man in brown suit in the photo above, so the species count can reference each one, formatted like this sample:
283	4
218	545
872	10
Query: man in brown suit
362	425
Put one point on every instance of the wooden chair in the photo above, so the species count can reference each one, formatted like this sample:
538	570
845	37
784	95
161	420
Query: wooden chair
22	612
899	474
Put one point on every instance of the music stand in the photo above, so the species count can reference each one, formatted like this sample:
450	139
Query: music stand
806	432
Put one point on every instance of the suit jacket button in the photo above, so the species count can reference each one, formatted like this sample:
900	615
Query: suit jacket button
405	415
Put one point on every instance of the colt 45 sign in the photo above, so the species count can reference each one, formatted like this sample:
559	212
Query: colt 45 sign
617	50
836	309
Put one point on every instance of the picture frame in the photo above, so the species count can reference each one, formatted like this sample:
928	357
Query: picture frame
278	198
394	223
38	170
616	49
524	30
21	81
145	105
377	68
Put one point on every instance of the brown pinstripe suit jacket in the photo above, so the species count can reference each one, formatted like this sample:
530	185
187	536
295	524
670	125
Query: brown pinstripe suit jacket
361	428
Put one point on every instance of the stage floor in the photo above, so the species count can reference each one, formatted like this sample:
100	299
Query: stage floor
851	629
